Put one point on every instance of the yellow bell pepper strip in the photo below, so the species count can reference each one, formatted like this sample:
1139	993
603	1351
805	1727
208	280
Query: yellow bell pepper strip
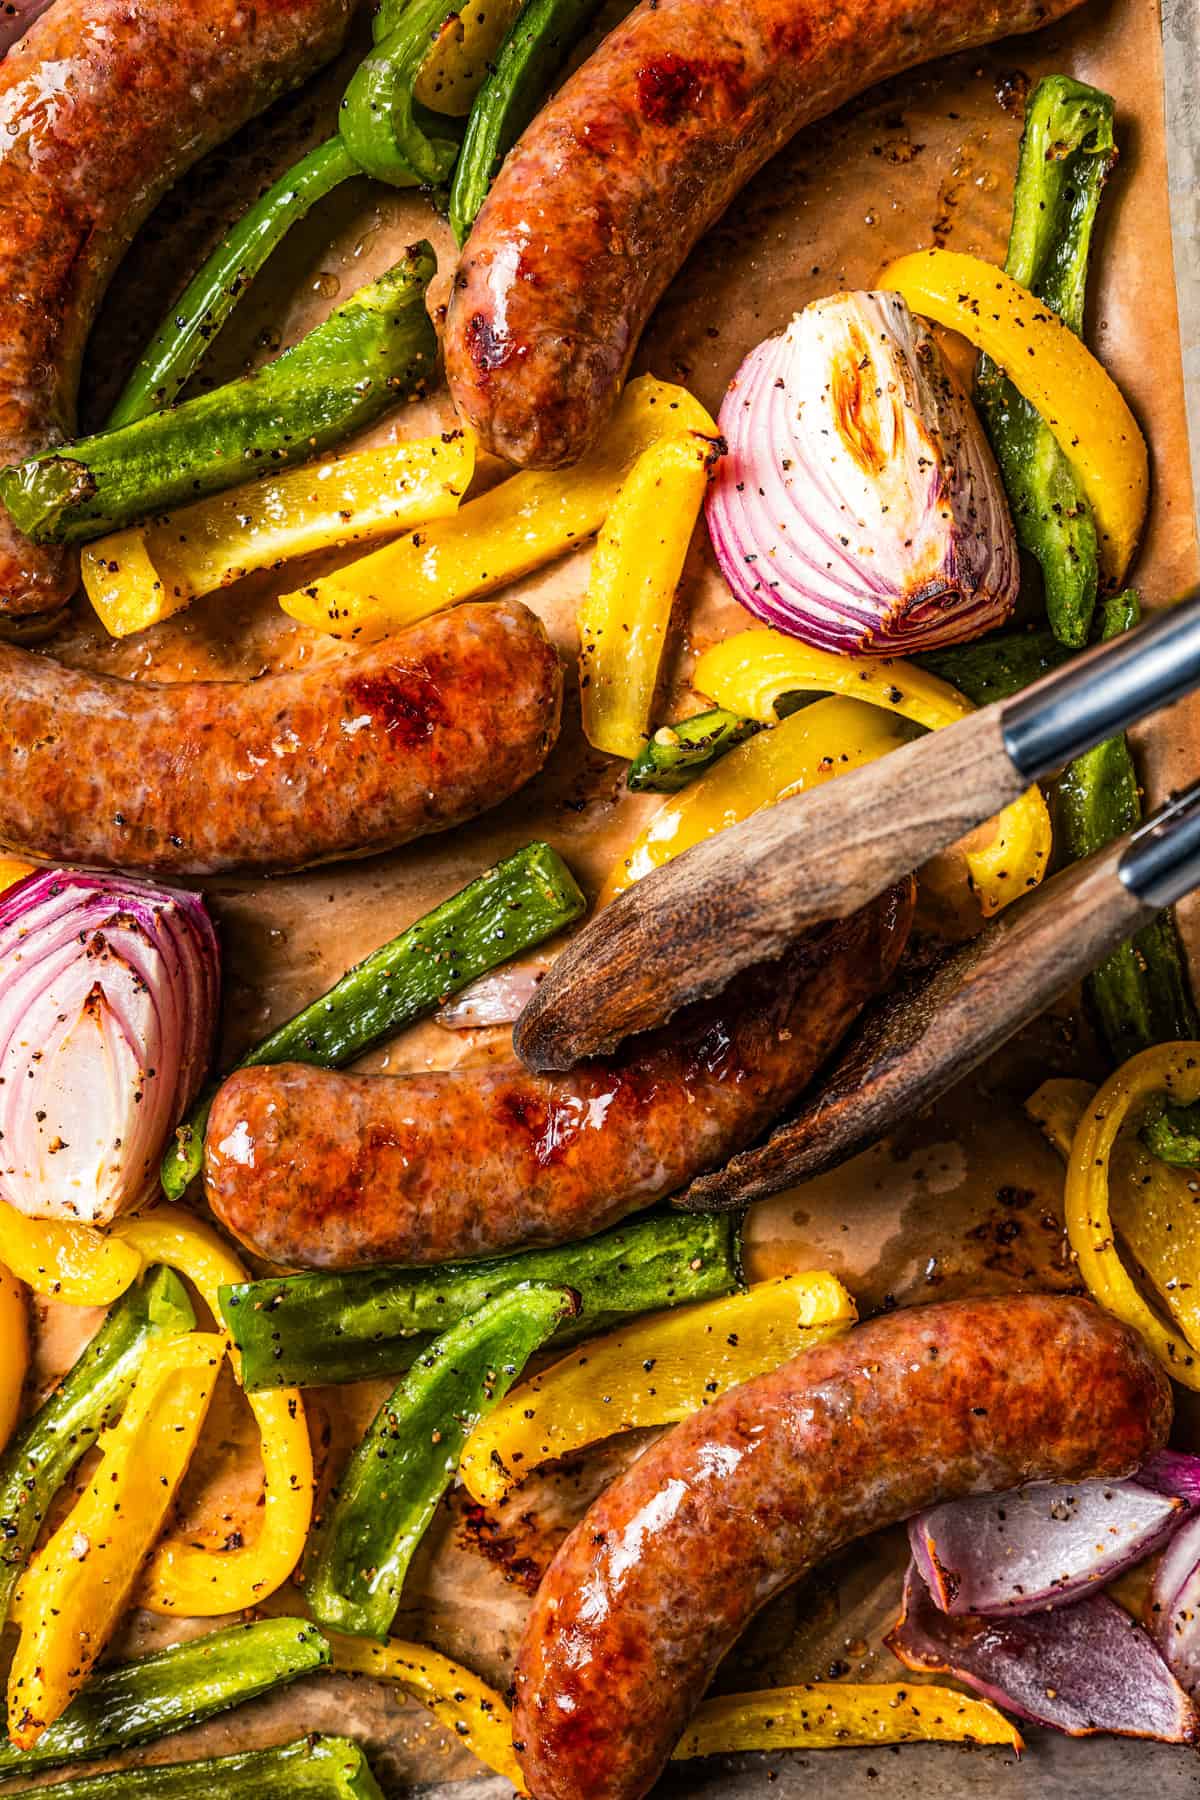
1056	373
475	1713
654	1372
750	672
508	532
1155	1208
12	871
138	577
72	1594
636	567
811	746
66	1261
833	1715
463	51
14	1351
183	1577
1173	1069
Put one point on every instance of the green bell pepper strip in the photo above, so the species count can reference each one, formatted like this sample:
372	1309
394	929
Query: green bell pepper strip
1066	154
524	900
1140	993
377	349
175	351
677	754
999	667
313	1330
378	122
537	45
321	1768
90	1398
156	1695
1172	1133
381	1508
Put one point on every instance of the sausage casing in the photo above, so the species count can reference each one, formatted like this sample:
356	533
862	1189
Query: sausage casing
926	1404
642	149
343	758
318	1169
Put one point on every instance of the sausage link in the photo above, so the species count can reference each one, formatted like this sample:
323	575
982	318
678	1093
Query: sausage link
643	148
104	103
663	1573
386	744
323	1170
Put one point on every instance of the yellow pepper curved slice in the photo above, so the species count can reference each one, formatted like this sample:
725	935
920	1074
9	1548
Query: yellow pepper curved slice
14	1351
811	746
1056	373
74	1591
136	578
508	532
636	568
184	1578
831	1715
462	54
654	1372
475	1713
67	1261
1173	1069
1155	1208
13	870
750	672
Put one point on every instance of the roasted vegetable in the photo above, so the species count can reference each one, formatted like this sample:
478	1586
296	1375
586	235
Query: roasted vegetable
834	1715
998	667
14	1351
859	507
133	1702
1054	371
378	122
652	1372
377	349
476	1714
635	571
1067	153
521	902
391	1487
1172	1133
527	62
87	1402
676	754
322	1768
313	1329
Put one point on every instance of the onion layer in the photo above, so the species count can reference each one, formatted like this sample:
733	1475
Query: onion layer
108	999
1175	1605
860	507
1080	1669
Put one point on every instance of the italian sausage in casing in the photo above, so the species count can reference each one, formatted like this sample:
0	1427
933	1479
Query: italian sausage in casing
642	149
385	744
324	1170
663	1573
104	103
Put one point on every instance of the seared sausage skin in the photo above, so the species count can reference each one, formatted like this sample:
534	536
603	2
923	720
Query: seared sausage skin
642	149
104	104
323	1170
386	744
663	1573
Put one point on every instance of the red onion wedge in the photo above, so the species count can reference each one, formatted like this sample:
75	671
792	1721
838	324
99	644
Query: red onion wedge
108	1000
860	507
1175	1605
1080	1669
495	999
1040	1545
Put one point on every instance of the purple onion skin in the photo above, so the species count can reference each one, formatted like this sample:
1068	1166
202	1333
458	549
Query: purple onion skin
1079	1669
860	508
1000	1554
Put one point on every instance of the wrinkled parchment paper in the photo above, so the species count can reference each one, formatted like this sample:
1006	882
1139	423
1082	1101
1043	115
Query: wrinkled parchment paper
965	1200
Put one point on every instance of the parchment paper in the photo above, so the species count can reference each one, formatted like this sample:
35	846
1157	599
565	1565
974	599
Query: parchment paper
965	1200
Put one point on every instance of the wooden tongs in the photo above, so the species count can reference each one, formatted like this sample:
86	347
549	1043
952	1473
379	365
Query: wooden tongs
685	931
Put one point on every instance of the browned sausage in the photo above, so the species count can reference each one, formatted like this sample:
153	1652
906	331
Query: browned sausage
661	1576
386	744
323	1170
103	104
643	148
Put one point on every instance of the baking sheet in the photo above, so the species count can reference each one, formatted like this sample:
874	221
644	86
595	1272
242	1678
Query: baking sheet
967	1199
